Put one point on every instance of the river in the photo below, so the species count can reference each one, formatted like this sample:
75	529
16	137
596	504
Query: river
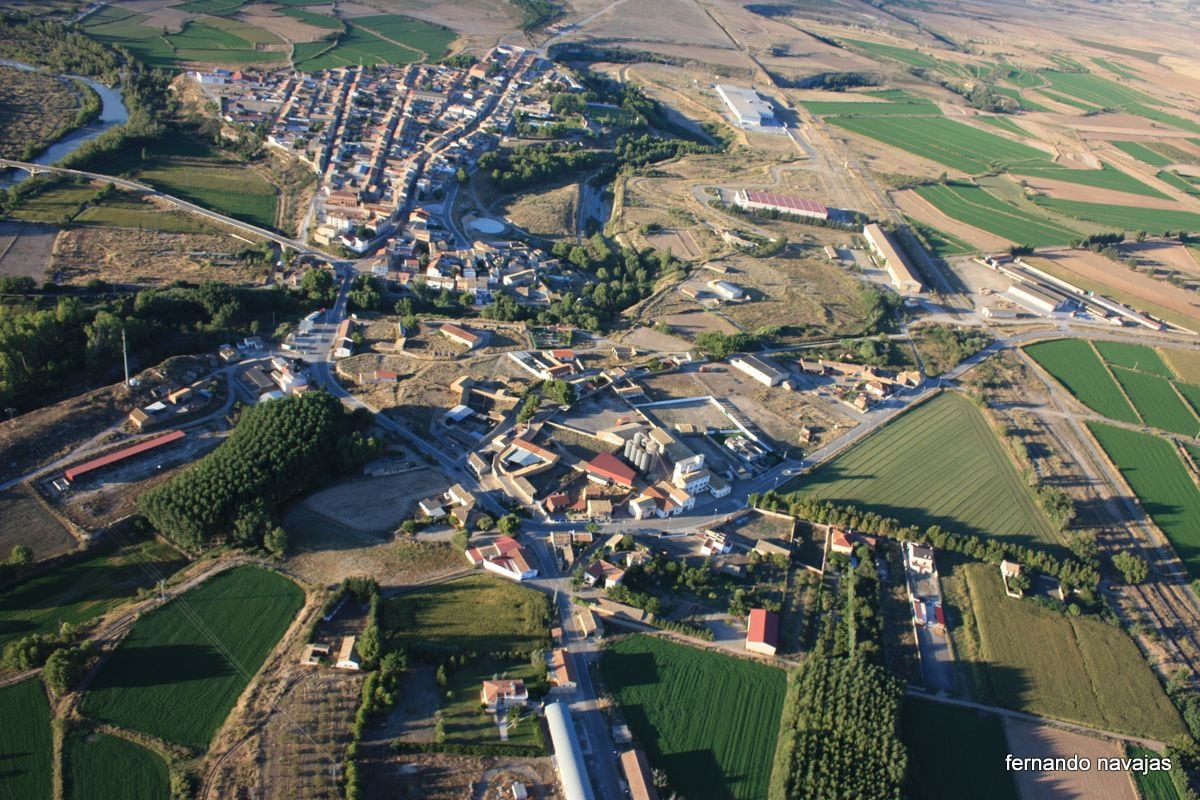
112	112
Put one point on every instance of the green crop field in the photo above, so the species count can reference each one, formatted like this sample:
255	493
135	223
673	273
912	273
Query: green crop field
842	108
981	209
966	481
359	46
212	40
1024	102
1142	55
1075	365
212	6
1069	101
1072	668
431	40
143	216
1004	124
1133	356
1107	177
905	55
954	752
26	750
708	720
182	667
1142	153
309	18
1115	68
480	612
84	589
1126	218
1156	473
1180	183
1156	400
104	767
1152	785
940	243
1097	90
945	141
52	205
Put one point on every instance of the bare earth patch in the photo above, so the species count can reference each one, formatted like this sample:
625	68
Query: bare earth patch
377	505
25	249
1027	740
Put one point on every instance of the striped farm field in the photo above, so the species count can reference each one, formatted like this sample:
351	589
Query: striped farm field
954	752
841	108
182	667
1156	400
1107	177
710	721
1075	365
966	481
979	208
1134	356
104	767
1164	486
1142	153
1182	184
1125	218
26	751
945	141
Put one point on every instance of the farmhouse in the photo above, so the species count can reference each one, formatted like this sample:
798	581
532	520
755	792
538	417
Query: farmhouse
505	557
495	695
745	106
759	369
606	468
763	634
347	658
637	775
897	266
920	557
562	670
603	574
784	204
461	335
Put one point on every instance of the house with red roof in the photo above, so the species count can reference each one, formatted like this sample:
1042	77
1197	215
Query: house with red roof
504	556
606	468
763	634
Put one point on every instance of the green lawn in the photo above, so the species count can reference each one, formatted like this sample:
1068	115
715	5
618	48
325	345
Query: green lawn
182	667
710	721
981	209
954	752
1142	153
943	140
965	481
1107	177
1125	218
1164	486
83	589
480	613
1072	668
1075	365
26	752
1134	356
1156	400
104	767
1152	785
464	720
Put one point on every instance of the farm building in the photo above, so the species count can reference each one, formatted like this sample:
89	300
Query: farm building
751	199
897	266
726	290
920	557
75	473
763	634
461	335
603	574
313	654
588	624
141	419
494	695
1010	569
745	106
347	657
505	557
562	670
606	468
759	369
1035	299
637	775
568	757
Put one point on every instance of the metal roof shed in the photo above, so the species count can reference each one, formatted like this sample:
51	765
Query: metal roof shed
567	756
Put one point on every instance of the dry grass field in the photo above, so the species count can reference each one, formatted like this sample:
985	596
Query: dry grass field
122	256
36	108
547	215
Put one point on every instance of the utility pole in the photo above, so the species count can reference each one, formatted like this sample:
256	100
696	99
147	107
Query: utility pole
125	357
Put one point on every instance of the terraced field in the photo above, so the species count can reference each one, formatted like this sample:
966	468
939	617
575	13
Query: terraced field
945	141
966	482
26	751
1072	668
1075	365
981	209
708	720
182	667
1125	218
1156	473
1156	400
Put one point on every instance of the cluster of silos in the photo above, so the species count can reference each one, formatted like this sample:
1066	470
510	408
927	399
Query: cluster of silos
640	451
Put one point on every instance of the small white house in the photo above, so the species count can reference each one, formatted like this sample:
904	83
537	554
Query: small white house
347	657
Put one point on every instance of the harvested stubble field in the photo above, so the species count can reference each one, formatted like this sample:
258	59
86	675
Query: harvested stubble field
1027	740
1044	662
954	752
967	482
37	107
479	613
1184	363
1163	485
104	767
25	742
84	589
121	256
710	721
181	668
27	522
1075	365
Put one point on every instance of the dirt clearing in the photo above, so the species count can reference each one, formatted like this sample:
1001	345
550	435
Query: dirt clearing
377	505
1027	740
27	522
25	249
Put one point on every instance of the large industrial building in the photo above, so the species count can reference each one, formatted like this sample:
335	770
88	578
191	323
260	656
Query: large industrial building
568	757
785	204
745	106
897	266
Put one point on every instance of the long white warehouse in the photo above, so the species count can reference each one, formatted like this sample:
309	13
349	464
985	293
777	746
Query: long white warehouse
897	266
568	758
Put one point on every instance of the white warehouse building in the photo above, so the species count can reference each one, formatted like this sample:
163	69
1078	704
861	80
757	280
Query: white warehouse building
745	105
759	370
726	290
897	266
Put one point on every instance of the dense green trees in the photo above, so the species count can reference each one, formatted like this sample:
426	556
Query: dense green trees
278	451
528	165
1133	568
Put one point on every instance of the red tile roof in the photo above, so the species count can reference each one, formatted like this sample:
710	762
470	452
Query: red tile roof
122	454
786	201
606	465
764	627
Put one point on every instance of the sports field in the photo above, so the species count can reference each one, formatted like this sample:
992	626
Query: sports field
1156	400
83	590
965	481
1125	218
980	208
1071	668
945	141
26	752
1133	356
1156	473
708	720
1075	365
954	752
104	767
480	613
182	667
1142	153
